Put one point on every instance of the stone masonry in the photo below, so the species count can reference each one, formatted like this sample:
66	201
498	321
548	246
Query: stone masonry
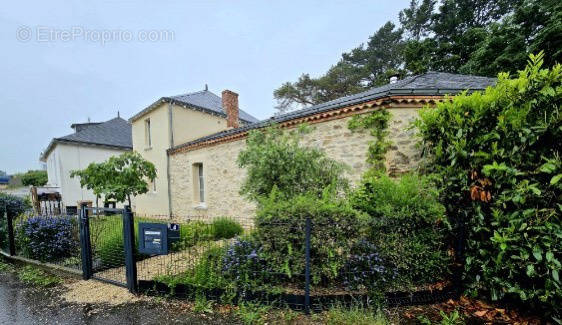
223	177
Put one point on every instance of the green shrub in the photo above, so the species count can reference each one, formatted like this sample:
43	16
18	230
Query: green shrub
47	239
106	236
206	274
280	229
244	264
111	250
498	158
406	224
34	177
274	158
192	233
225	228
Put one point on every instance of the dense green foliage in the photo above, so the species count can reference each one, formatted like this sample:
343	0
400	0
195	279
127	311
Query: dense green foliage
482	37
407	225
225	228
274	158
377	124
280	227
245	265
497	154
34	178
193	233
118	178
206	274
107	235
47	239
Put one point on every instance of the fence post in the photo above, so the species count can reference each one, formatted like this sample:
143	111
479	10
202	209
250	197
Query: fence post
307	267
85	244
129	245
11	240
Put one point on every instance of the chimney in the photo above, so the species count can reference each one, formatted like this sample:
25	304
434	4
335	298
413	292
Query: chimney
230	106
394	79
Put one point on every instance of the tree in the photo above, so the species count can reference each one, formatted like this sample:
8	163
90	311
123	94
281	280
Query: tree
416	19
497	156
34	178
118	178
481	37
93	178
381	58
507	44
341	79
360	69
274	159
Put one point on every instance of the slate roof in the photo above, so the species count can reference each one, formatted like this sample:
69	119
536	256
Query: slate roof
115	133
429	84
203	100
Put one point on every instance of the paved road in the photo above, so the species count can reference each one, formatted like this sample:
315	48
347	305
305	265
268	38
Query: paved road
21	305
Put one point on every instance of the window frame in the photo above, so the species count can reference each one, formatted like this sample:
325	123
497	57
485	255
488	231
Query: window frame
147	133
199	184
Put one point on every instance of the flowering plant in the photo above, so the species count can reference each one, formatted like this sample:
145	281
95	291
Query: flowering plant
243	263
365	268
47	239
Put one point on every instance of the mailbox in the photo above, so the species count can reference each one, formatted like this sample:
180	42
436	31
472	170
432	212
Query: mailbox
157	238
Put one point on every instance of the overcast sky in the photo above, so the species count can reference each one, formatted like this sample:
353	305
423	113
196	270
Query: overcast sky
64	63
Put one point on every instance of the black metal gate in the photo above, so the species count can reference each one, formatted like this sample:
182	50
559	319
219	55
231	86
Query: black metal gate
107	242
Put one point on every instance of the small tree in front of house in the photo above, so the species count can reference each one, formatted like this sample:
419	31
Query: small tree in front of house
274	158
118	178
92	178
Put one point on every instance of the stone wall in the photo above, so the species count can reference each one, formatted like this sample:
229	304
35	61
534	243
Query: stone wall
223	178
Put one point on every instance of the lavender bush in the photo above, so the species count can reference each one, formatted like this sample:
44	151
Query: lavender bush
365	268
243	264
46	239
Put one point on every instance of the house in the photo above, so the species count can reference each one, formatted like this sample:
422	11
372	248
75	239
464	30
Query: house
208	165
4	182
198	173
174	120
90	143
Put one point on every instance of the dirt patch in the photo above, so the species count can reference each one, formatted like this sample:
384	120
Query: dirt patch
97	292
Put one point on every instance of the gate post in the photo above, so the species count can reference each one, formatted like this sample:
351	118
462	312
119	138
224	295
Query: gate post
10	224
307	267
85	244
129	246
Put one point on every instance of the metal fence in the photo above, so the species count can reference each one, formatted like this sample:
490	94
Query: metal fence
301	264
297	264
51	239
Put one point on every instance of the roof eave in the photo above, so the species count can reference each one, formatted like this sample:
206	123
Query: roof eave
373	97
173	101
55	141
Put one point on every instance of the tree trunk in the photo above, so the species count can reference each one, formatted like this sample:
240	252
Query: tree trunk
129	199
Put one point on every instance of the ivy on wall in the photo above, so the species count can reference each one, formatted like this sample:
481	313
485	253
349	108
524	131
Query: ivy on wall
377	124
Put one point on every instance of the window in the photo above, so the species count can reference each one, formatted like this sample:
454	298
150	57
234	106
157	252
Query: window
147	135
198	183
